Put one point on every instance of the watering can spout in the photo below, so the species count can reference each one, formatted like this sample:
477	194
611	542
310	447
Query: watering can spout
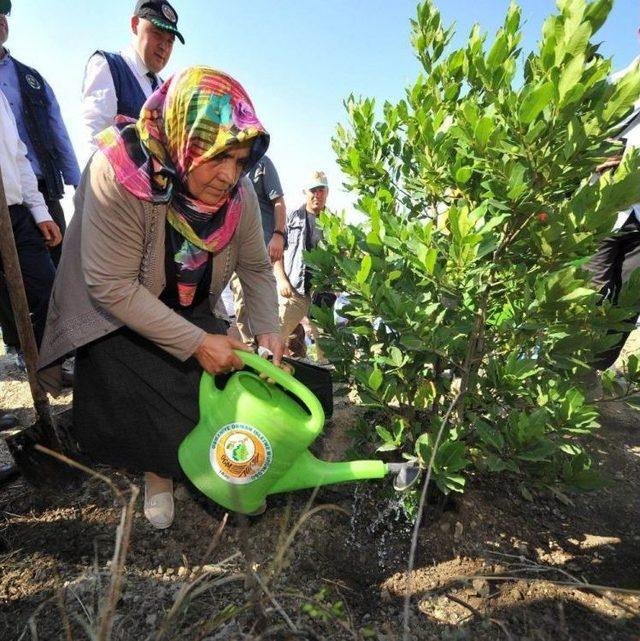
308	471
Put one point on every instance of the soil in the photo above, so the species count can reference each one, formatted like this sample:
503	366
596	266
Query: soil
332	564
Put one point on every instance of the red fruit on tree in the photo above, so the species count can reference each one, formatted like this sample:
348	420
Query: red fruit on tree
542	217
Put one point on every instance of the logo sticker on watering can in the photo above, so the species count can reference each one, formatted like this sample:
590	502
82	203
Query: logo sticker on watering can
240	453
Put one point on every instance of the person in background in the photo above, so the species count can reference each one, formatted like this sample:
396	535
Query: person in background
618	255
117	84
49	150
41	128
33	228
164	215
293	278
273	211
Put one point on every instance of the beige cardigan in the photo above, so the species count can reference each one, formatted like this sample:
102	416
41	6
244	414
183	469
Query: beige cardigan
112	272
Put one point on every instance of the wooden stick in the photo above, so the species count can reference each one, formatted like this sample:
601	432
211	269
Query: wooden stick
44	431
20	306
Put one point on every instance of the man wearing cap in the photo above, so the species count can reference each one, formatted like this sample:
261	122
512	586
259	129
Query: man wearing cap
40	126
294	280
117	84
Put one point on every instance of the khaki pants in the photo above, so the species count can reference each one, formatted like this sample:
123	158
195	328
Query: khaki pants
292	311
242	320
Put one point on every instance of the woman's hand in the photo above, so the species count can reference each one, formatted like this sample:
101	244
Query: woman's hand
216	356
274	343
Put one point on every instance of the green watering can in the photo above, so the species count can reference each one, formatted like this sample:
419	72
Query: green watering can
252	441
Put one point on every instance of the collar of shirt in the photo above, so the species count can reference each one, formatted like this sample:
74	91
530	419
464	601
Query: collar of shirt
135	62
7	56
19	181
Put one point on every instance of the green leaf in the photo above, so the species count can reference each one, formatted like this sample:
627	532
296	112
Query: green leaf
496	464
396	356
626	91
517	184
520	368
483	132
490	435
571	449
498	52
430	260
597	13
570	76
633	401
387	447
534	101
365	269
579	293
354	159
451	482
633	364
384	434
541	452
463	175
375	379
579	40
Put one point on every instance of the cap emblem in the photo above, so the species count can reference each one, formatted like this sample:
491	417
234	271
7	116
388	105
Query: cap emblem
169	13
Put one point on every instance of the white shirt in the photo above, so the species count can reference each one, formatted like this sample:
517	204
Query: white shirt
99	100
631	135
20	183
227	301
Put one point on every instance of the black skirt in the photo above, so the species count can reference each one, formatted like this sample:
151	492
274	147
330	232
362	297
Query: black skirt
133	403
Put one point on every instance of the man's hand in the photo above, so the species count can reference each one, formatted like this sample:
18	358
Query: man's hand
285	288
276	247
51	233
274	343
216	356
610	163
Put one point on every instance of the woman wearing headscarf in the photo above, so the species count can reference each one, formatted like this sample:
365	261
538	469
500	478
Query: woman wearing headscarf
163	217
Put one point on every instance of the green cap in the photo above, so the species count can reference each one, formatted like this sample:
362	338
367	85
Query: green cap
5	7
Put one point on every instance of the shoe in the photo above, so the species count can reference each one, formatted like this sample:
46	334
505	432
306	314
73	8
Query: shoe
17	356
159	508
8	421
8	472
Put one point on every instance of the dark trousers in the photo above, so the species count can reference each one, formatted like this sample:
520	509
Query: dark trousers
56	212
38	273
611	266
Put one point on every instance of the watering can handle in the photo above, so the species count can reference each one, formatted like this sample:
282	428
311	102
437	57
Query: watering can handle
288	382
